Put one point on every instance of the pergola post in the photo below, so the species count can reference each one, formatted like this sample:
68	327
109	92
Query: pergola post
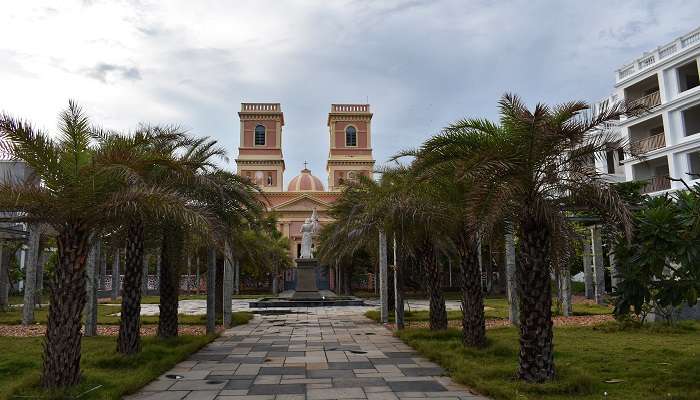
43	258
598	264
398	294
30	273
91	269
511	282
588	268
211	291
614	273
144	284
237	277
188	283
116	277
383	276
565	291
228	283
196	279
4	283
103	269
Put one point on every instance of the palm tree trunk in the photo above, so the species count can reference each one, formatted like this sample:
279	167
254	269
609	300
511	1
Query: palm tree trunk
433	279
169	282
536	361
473	323
129	340
67	292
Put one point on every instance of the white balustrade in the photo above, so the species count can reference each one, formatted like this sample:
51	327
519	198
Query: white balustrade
662	52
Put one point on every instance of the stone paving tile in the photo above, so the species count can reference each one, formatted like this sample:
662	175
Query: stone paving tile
309	354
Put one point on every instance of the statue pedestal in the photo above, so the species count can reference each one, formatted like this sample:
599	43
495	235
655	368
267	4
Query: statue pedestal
306	279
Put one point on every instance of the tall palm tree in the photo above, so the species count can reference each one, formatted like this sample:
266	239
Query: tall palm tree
528	169
76	193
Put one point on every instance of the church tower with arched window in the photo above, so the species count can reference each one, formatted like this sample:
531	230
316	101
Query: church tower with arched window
260	152
350	151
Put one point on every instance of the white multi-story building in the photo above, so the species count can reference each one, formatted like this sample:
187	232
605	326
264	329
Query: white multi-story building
667	137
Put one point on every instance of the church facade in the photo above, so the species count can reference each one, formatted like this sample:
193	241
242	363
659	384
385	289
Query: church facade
260	158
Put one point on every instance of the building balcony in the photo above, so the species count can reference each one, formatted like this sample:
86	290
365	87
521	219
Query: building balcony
646	145
657	184
648	101
654	172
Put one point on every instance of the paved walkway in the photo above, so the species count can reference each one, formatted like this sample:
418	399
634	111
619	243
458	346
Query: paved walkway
199	307
322	355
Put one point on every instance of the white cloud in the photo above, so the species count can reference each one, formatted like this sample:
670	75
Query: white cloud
421	64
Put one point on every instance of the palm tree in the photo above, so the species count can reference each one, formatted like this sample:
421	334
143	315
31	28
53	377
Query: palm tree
232	202
528	169
396	204
76	193
145	158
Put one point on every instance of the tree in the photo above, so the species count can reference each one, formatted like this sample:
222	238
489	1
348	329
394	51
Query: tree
528	169
76	194
660	269
400	206
462	234
146	158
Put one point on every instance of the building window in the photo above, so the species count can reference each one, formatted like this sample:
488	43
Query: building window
269	179
610	156
688	76
350	136
620	155
259	135
694	161
691	120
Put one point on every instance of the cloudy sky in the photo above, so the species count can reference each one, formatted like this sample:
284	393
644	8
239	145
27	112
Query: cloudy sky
421	64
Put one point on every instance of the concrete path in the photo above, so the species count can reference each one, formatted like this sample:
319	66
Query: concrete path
323	355
199	307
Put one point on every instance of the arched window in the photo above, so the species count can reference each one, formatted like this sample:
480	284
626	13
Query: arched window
269	179
259	135
350	136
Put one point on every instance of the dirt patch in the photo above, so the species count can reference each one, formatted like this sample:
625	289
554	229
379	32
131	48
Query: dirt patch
102	330
578	320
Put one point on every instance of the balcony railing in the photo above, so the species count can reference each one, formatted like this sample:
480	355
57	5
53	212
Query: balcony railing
649	101
350	108
660	53
657	183
648	144
274	107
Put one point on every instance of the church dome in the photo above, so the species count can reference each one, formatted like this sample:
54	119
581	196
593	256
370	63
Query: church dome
305	182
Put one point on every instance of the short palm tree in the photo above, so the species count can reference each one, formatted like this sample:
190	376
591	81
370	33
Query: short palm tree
75	192
396	204
528	169
146	157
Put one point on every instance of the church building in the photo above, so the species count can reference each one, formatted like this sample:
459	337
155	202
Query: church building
260	158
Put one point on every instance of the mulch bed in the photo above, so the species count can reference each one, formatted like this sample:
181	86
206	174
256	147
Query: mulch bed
102	330
578	320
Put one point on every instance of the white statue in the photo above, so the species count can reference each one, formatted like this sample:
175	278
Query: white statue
309	229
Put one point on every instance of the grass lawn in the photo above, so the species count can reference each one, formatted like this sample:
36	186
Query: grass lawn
20	365
495	308
104	316
652	362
